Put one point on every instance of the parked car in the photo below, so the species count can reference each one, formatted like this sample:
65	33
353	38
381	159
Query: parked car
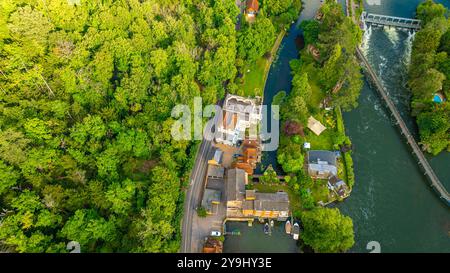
215	233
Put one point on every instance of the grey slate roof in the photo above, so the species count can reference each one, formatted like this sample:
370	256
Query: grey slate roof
319	156
248	205
272	201
323	168
235	184
215	171
210	196
215	154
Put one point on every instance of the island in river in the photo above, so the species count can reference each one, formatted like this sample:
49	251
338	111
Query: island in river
315	154
391	202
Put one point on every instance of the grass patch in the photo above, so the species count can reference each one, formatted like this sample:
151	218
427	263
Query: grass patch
317	95
322	142
279	98
253	81
342	171
320	191
339	120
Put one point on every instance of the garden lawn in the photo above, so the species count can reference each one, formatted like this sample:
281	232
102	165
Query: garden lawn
322	142
317	95
320	191
254	80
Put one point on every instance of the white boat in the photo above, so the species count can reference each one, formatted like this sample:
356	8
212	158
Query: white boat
271	223
288	227
296	231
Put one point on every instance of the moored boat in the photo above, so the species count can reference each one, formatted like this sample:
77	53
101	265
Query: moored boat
266	228
271	223
288	227
296	231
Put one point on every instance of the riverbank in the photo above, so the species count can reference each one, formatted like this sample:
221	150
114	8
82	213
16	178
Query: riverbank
429	82
254	81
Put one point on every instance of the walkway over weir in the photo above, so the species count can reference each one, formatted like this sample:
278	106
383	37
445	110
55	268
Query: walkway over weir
392	21
435	183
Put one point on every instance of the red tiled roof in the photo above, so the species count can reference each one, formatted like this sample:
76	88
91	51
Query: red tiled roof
252	5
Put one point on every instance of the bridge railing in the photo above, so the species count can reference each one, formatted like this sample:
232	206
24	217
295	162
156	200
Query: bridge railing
390	20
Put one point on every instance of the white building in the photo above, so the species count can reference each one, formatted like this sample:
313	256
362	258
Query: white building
241	117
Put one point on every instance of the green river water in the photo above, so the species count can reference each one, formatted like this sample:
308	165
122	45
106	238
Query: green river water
392	202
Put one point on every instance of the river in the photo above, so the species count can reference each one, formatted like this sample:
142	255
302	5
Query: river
391	203
280	77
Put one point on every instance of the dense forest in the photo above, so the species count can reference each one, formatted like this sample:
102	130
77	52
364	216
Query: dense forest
86	94
429	74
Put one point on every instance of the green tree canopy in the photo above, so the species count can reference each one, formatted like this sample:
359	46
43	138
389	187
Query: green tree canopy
429	74
327	230
86	94
256	39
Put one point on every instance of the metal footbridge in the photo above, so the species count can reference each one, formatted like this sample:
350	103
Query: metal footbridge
391	21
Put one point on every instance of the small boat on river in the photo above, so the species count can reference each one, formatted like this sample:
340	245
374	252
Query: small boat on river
288	227
266	228
271	223
296	231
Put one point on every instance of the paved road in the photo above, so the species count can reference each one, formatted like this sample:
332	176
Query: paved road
190	237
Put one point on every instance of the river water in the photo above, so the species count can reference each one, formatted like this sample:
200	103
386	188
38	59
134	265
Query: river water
392	202
280	78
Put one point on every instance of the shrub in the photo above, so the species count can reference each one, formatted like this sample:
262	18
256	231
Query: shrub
348	161
201	212
293	128
269	176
